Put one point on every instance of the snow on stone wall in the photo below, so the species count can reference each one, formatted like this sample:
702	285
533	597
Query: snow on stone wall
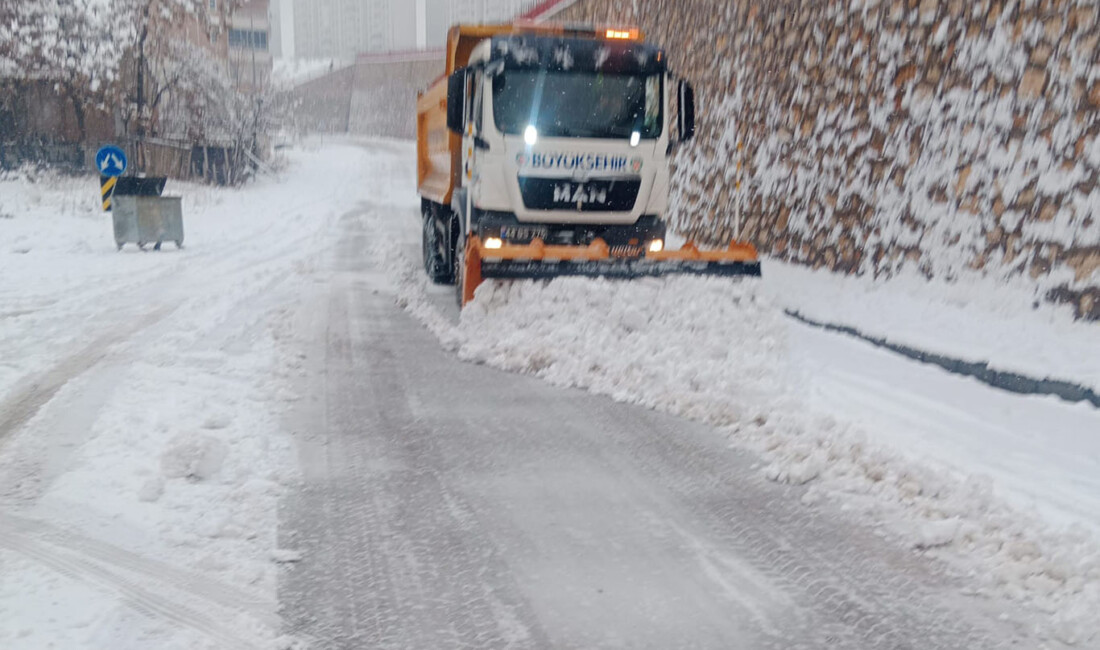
957	136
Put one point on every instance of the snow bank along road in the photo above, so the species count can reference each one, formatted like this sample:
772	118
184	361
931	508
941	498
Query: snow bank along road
141	457
157	408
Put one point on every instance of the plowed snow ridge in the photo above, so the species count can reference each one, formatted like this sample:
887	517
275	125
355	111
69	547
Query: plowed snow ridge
717	352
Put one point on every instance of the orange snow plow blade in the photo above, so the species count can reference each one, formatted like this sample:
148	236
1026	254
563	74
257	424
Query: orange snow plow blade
538	260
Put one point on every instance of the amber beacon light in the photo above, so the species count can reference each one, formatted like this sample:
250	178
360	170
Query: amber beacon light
623	34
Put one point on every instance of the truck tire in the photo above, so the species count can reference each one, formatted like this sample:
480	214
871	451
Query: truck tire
434	263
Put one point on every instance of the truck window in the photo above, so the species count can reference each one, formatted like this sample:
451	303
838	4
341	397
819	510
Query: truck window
478	105
468	107
579	104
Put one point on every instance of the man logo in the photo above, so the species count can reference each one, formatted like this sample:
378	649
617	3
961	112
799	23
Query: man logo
636	165
579	194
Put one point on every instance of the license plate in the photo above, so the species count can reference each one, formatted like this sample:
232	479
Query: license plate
523	233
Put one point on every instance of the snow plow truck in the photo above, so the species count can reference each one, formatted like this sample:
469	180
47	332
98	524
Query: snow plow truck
544	151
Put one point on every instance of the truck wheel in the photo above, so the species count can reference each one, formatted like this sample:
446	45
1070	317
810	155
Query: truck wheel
434	265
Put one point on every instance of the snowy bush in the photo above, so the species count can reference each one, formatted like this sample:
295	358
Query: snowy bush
153	64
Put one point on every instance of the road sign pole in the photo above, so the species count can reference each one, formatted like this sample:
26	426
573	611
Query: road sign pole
110	162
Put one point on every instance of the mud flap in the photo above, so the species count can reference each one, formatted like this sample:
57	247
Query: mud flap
472	270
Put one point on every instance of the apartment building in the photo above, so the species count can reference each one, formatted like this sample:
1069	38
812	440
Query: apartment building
249	43
335	28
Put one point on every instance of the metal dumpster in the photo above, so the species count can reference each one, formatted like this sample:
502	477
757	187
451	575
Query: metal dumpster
145	220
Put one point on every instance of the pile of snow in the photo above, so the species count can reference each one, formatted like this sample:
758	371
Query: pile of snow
700	323
717	352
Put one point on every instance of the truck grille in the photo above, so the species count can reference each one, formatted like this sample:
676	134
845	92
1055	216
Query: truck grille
617	195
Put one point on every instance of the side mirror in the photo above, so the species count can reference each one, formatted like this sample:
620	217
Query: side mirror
687	111
456	101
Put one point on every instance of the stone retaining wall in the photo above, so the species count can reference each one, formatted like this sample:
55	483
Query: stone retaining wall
324	104
376	96
953	136
383	101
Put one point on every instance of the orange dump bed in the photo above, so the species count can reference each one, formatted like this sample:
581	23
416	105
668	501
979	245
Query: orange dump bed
438	151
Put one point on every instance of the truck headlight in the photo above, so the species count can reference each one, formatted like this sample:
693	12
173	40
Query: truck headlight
493	242
531	135
656	246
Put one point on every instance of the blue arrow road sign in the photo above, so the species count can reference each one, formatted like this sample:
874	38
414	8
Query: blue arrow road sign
110	160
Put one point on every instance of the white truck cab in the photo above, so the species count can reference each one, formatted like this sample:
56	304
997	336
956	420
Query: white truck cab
565	140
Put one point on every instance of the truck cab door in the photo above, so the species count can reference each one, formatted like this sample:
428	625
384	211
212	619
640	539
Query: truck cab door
471	133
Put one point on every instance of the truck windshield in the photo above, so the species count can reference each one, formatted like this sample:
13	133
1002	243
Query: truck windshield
578	104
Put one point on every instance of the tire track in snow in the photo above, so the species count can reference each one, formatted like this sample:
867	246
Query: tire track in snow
83	550
133	595
24	404
370	578
766	527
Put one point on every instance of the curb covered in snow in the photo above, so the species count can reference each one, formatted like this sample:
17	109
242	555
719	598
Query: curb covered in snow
980	370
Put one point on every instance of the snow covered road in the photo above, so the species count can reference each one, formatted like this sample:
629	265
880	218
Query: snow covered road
449	505
257	443
141	454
